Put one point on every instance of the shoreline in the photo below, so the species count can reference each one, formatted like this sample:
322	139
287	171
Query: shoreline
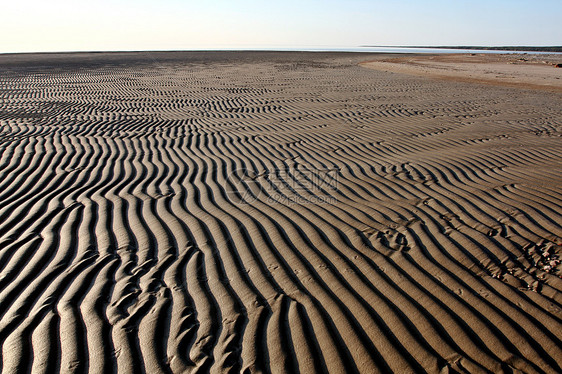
308	49
523	49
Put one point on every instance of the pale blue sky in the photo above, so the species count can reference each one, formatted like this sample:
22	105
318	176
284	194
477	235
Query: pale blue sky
64	25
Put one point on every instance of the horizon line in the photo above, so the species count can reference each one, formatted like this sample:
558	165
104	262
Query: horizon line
522	48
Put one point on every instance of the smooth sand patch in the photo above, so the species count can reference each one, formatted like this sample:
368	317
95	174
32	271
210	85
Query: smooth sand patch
513	70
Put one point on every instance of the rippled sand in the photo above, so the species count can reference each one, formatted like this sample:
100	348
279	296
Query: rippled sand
283	212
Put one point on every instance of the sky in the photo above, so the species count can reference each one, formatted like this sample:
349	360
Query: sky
64	25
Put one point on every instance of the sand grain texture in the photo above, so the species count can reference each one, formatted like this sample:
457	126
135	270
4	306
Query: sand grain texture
274	212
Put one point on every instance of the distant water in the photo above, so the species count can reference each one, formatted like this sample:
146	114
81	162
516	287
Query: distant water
357	49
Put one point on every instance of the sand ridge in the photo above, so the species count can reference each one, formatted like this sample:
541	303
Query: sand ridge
274	212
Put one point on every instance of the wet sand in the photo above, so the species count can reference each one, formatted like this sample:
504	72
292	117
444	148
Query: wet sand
276	212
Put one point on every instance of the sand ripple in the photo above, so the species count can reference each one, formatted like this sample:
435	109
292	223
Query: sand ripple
277	213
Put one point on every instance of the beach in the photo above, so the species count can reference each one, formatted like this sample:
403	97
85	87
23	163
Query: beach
183	212
520	70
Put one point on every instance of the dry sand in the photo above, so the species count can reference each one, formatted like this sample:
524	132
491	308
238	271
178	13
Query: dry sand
283	212
542	72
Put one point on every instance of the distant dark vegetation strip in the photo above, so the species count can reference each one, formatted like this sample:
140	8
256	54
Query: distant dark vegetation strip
505	48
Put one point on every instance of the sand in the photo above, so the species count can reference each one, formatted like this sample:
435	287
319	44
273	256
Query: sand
543	71
275	212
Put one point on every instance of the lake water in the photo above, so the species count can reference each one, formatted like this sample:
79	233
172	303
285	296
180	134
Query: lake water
356	49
